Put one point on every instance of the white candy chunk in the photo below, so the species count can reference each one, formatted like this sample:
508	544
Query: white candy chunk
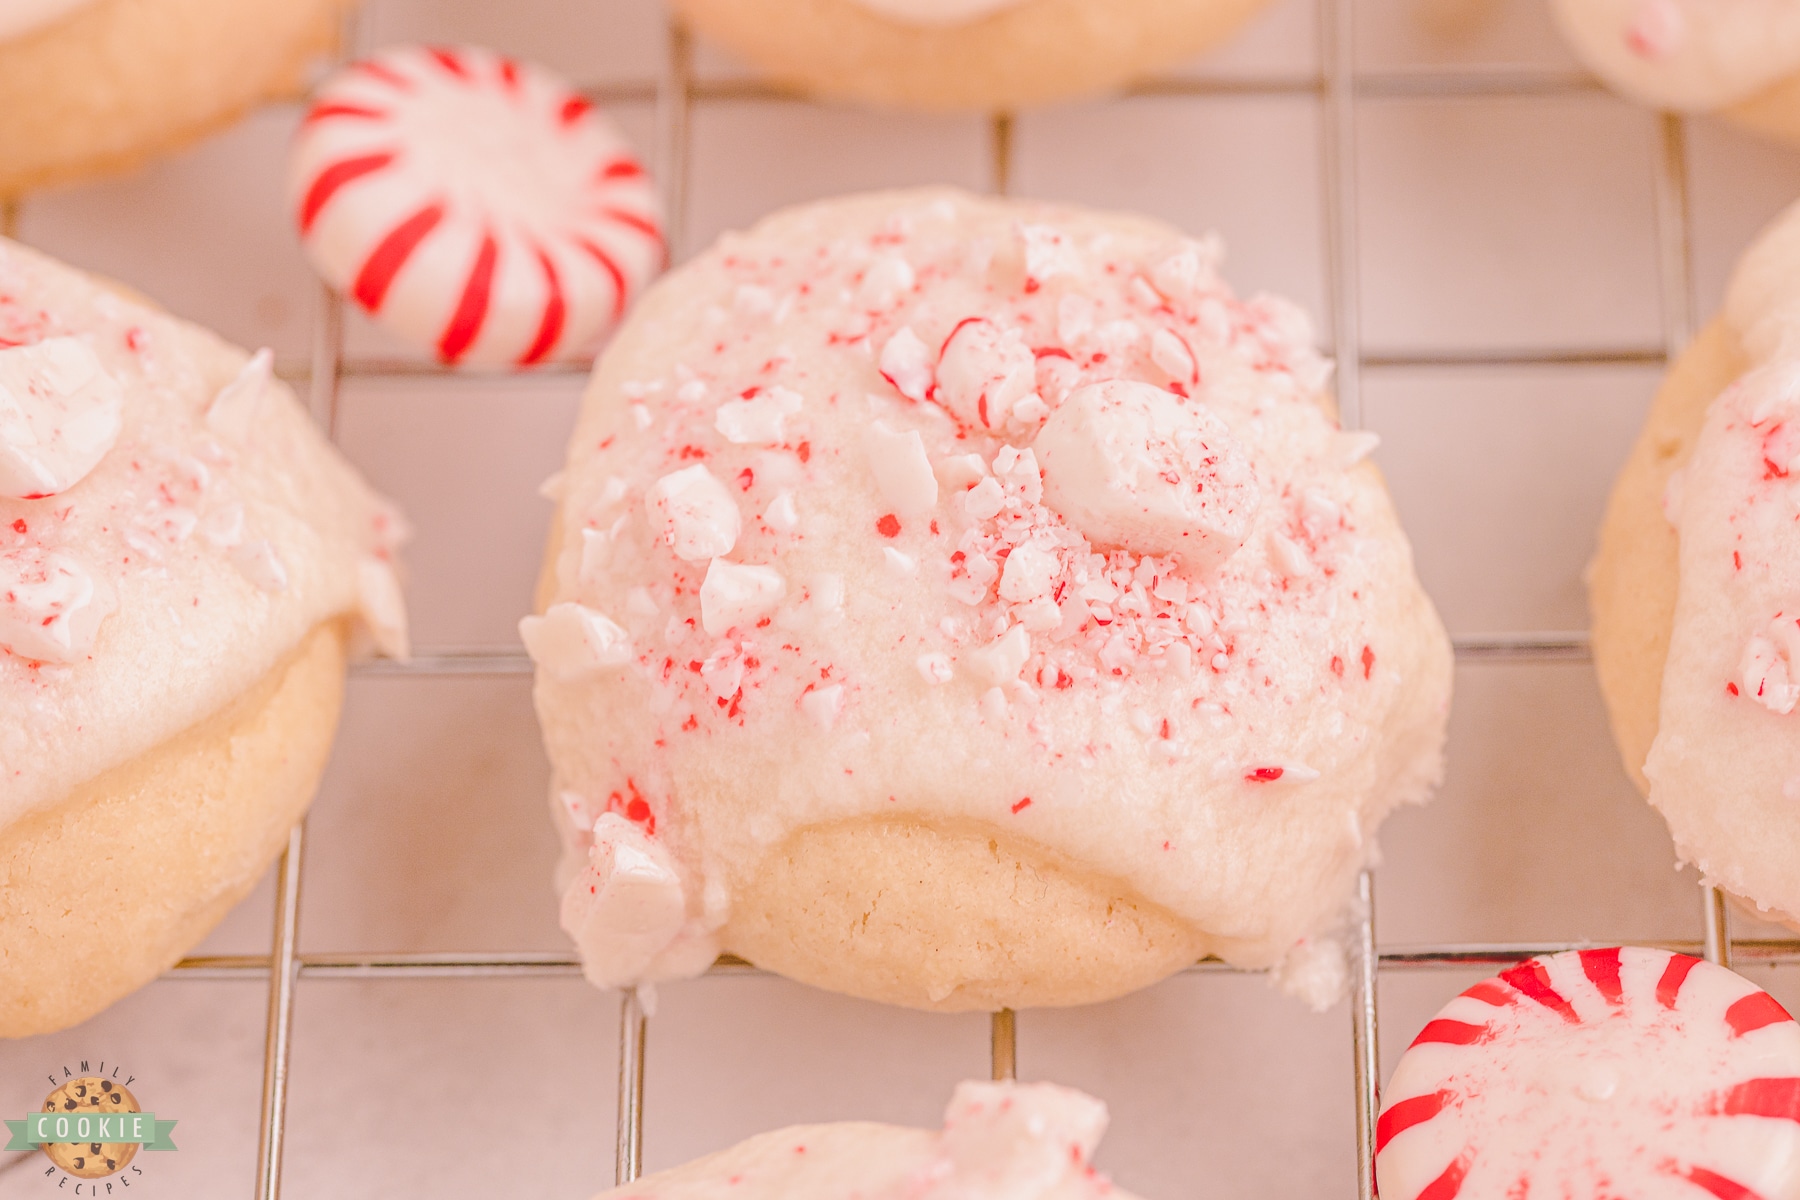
1015	1141
735	595
984	500
693	513
1766	673
1171	354
899	565
1048	253
1189	272
1135	467
1000	661
581	812
723	673
571	642
234	412
959	472
223	527
902	471
1286	556
1018	472
259	563
626	907
823	705
50	607
935	668
984	371
60	412
906	363
887	278
760	420
383	607
781	515
1030	574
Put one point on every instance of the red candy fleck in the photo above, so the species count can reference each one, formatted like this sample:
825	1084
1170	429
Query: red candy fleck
1368	661
888	526
1337	666
746	479
19	525
1732	688
1264	775
1022	805
804	450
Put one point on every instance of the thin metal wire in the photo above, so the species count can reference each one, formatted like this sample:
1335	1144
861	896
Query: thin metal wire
1337	128
1365	1032
1000	144
1675	252
633	1032
1003	1045
278	1040
674	142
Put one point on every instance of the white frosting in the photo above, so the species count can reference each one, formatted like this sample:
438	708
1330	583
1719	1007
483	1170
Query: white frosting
1694	55
20	17
1134	594
59	415
1001	1141
1627	1072
1728	738
183	550
937	13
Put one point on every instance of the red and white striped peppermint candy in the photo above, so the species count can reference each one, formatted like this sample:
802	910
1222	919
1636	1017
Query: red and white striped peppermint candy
473	204
1628	1073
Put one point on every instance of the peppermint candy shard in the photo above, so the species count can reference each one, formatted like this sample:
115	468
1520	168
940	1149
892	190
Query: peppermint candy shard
474	205
1621	1071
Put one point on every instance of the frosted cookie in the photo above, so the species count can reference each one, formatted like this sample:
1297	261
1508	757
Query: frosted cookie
1740	59
1696	590
1001	1141
961	55
476	206
964	603
183	561
96	86
1617	1072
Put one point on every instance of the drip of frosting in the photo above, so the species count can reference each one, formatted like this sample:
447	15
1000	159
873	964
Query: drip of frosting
20	17
1694	55
182	525
1000	1141
59	415
936	14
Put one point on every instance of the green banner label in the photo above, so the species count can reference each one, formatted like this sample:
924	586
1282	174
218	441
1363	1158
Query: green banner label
41	1127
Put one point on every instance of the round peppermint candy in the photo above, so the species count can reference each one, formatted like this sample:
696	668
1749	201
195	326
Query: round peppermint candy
473	204
1598	1073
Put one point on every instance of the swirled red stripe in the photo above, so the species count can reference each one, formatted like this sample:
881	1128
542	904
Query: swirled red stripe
326	183
472	308
551	327
1530	980
379	269
1414	1110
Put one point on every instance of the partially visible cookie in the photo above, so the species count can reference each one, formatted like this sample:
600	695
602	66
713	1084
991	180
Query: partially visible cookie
964	55
90	87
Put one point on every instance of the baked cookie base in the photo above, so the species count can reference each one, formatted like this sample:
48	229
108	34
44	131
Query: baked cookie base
951	918
1037	52
1773	112
120	81
1634	576
105	890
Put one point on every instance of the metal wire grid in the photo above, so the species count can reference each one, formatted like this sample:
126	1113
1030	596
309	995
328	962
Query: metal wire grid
1336	88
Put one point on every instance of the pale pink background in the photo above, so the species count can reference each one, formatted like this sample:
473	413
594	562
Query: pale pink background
1489	222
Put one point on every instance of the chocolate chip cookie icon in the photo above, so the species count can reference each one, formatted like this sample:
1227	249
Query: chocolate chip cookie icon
91	1095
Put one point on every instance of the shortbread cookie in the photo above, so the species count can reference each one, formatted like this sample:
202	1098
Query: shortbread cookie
960	55
474	205
94	86
964	603
1622	1071
1696	590
1001	1141
1740	59
182	560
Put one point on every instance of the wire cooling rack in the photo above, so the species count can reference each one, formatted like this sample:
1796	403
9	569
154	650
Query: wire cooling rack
1336	87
